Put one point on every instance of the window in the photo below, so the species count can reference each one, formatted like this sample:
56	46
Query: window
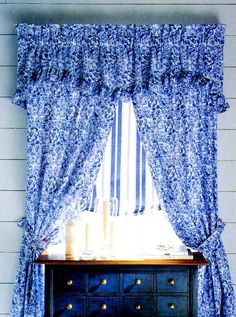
125	173
143	228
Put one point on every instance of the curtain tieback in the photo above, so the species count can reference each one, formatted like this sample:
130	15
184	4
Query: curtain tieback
210	246
37	246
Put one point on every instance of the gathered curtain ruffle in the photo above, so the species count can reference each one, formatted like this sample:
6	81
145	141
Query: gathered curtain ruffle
120	59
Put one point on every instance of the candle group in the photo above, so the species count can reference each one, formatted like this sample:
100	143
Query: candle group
103	235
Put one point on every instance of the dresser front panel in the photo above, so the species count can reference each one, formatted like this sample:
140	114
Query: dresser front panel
104	306
171	281
138	283
103	282
172	306
138	306
69	306
69	280
121	291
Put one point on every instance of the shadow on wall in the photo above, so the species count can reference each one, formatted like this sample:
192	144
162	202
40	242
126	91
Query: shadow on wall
103	14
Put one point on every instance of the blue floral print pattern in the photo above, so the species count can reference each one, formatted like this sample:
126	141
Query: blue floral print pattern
70	79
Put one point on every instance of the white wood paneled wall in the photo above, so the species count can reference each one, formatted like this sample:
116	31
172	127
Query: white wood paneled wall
13	119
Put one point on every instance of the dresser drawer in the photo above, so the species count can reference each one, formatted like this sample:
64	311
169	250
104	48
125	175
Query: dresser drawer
172	281
104	283
69	280
176	306
69	306
137	283
138	306
104	306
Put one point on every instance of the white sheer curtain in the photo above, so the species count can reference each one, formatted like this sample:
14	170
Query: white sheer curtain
125	173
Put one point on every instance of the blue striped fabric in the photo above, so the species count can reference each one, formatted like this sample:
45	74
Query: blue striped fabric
125	173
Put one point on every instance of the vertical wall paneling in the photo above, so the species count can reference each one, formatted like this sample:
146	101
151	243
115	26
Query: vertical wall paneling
8	263
13	144
13	119
115	12
226	145
7	80
10	115
227	206
12	205
8	51
227	175
226	120
5	298
12	175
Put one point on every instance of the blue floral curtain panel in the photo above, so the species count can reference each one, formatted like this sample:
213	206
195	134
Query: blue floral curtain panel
70	79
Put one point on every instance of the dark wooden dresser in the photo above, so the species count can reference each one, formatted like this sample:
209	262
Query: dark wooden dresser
146	288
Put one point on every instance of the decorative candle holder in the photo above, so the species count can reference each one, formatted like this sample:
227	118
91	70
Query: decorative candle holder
108	209
88	226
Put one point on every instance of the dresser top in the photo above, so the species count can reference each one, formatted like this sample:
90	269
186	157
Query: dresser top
198	259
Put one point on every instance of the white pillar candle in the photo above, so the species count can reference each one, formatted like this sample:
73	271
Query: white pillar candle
112	232
72	241
106	216
87	237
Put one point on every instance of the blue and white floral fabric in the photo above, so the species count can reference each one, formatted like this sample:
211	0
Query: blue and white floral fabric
70	79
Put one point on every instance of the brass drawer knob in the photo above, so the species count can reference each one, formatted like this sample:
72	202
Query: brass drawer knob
103	307
138	282
138	307
171	306
69	306
69	283
171	281
104	282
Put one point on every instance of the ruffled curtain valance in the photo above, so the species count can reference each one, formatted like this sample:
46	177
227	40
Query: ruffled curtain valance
120	59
